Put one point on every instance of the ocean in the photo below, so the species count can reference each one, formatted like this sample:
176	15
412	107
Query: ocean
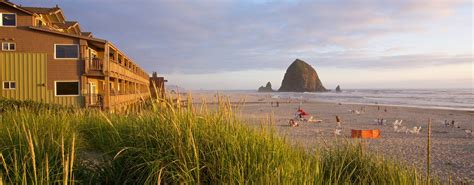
459	99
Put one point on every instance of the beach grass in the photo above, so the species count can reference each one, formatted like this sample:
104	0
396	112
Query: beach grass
172	145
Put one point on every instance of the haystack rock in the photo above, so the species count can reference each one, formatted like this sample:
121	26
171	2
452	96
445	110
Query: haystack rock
301	77
267	88
338	89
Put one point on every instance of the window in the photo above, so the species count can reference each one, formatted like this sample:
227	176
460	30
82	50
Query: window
66	51
66	88
9	85
8	19
8	46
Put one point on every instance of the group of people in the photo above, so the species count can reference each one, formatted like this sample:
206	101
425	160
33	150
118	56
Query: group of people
454	124
451	124
299	116
300	113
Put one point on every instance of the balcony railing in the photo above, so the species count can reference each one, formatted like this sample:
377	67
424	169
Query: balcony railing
94	99
94	64
97	64
125	71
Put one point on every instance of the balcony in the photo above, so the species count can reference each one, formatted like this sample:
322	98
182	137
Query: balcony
94	100
125	71
94	64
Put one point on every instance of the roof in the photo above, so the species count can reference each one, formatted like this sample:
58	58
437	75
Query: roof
65	25
86	34
16	7
41	10
67	34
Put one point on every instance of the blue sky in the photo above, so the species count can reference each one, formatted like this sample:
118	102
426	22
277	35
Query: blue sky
235	44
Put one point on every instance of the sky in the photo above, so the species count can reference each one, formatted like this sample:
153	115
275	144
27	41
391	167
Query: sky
242	44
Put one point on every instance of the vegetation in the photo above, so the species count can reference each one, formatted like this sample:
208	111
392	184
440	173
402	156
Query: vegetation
172	145
10	104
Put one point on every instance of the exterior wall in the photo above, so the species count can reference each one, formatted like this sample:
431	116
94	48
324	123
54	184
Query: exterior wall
22	19
31	41
29	71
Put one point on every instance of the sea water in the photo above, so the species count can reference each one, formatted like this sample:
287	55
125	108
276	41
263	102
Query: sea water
460	99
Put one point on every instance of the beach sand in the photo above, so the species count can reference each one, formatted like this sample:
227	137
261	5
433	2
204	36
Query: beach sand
452	152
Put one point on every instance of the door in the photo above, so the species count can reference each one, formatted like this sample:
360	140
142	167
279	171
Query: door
93	93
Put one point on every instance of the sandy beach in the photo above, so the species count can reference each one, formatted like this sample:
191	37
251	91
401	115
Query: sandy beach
452	150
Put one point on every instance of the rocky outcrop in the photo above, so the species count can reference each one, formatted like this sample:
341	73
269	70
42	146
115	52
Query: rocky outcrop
338	89
267	88
301	77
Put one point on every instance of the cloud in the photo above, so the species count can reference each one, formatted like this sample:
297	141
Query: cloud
233	35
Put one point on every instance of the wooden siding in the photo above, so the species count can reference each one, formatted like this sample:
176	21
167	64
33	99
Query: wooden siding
29	70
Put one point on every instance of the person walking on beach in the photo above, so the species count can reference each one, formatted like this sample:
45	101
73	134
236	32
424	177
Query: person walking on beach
338	129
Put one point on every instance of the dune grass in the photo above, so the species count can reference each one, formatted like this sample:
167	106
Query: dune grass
172	145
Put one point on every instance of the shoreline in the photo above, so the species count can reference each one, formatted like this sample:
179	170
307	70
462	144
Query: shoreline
285	101
455	99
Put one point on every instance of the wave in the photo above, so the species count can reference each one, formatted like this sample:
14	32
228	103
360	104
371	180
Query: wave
429	98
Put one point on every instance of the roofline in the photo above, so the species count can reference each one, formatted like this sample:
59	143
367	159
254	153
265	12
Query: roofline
75	24
68	34
57	11
16	7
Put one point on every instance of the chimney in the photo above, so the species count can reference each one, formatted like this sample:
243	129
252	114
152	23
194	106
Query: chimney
155	75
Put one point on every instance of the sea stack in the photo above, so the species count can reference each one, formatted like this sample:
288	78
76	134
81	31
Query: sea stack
338	89
267	88
301	77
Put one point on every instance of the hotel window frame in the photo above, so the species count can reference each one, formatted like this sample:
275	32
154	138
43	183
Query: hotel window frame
70	95
9	85
9	46
78	52
1	20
